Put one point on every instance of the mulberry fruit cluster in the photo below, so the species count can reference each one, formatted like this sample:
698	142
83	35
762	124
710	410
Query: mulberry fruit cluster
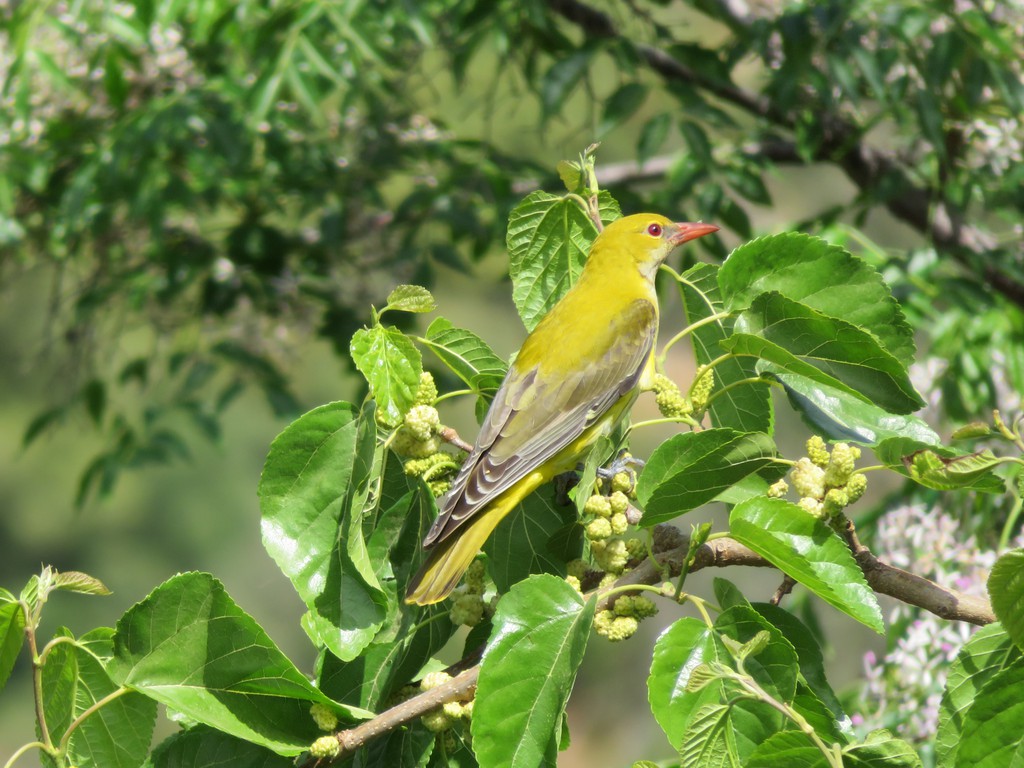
825	480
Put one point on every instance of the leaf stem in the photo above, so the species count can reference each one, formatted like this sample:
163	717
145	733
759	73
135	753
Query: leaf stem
872	468
81	718
456	393
687	331
1005	431
1011	523
37	676
666	420
53	643
23	749
701	605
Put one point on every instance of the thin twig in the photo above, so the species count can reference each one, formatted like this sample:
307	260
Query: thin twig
788	582
449	435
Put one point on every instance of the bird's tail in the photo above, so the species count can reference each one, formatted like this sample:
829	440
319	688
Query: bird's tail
450	558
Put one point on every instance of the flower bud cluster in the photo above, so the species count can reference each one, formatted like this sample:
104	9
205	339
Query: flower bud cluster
670	400
825	480
325	748
606	520
324	718
623	619
417	441
700	390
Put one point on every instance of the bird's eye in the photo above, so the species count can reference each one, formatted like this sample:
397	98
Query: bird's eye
654	230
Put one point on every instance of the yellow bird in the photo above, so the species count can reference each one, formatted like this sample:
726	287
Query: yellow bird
573	380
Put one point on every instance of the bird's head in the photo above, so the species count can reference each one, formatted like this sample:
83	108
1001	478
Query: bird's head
649	238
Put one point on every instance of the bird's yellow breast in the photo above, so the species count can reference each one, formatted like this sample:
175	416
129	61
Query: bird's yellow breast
564	340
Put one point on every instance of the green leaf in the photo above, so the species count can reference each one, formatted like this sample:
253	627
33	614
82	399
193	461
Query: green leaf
792	749
1006	589
571	175
826	349
602	452
203	747
744	408
42	422
392	365
459	756
987	653
836	414
311	468
60	681
541	629
304	479
549	237
685	645
410	638
519	545
811	660
708	742
993	730
468	356
560	80
943	469
117	734
410	298
697	138
407	747
823	276
346	615
12	634
774	667
94	395
692	468
190	647
881	750
728	594
747	181
652	136
750	486
699	535
621	106
818	715
81	583
805	548
379	672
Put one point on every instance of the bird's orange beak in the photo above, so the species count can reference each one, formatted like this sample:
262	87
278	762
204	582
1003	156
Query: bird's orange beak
686	231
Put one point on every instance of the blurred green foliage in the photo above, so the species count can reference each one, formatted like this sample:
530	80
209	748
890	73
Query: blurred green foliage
206	185
233	176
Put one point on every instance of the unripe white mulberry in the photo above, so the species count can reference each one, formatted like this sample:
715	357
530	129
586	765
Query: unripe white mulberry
598	505
808	479
422	421
598	528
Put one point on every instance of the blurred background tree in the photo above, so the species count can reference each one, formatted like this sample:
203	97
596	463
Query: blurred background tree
199	200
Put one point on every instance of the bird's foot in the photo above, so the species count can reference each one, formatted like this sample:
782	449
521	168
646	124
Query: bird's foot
623	463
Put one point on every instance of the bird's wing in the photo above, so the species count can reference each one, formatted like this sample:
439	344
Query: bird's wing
534	417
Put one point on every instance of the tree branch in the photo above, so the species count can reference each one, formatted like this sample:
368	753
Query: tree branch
459	688
841	143
671	547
